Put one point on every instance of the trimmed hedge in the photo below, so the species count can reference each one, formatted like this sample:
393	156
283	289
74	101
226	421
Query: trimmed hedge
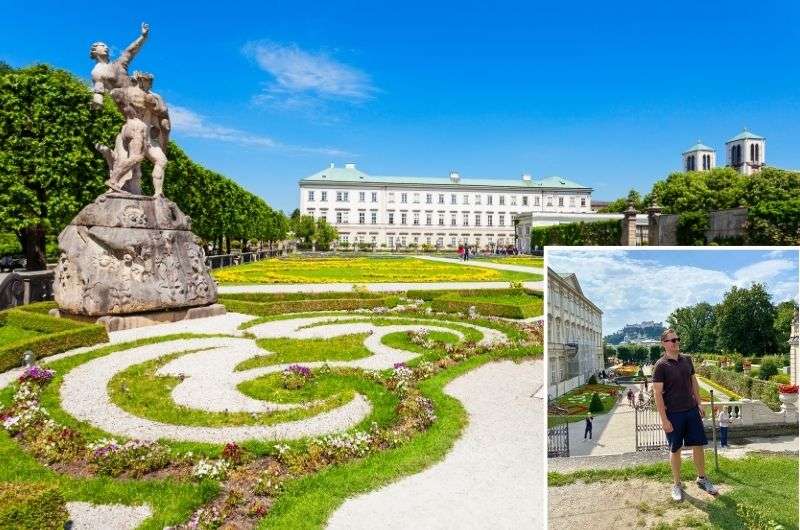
264	309
288	297
746	386
31	506
431	294
607	233
60	334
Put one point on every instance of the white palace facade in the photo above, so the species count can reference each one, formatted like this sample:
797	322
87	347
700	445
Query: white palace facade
443	212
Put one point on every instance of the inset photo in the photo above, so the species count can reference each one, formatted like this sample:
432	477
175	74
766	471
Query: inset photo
672	388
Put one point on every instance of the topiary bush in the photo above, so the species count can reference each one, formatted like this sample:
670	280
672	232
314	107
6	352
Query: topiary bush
27	506
596	404
592	380
770	366
599	233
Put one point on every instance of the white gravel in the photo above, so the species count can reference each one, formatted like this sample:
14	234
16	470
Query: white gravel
87	516
494	476
84	395
227	324
210	381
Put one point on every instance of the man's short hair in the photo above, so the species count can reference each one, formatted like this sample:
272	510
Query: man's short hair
667	332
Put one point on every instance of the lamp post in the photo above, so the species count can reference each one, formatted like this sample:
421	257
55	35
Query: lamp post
28	358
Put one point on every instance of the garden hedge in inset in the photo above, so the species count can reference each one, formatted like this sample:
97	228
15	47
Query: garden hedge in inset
746	386
31	506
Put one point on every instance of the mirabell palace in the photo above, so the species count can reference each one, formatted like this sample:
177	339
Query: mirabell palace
443	212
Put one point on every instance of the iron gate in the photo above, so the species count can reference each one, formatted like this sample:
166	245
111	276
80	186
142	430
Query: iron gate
558	441
650	434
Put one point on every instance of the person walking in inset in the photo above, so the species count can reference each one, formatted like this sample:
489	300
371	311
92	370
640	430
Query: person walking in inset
677	396
588	430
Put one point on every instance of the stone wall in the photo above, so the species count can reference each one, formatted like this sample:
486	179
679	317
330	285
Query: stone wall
726	224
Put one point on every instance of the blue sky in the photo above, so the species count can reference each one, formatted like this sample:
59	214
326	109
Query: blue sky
633	286
608	94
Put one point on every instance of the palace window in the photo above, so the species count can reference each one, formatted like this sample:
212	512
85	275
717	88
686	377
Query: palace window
466	219
342	196
362	196
429	218
489	199
583	201
429	198
324	196
477	198
524	200
536	201
311	195
441	219
572	201
501	219
374	196
477	219
502	200
362	218
416	198
453	219
403	198
489	219
561	201
374	217
453	199
403	218
391	196
391	218
513	200
441	198
465	199
416	218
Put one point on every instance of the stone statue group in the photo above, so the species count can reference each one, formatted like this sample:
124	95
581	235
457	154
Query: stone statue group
147	126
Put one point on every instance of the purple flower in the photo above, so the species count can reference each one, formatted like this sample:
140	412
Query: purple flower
400	365
36	373
299	370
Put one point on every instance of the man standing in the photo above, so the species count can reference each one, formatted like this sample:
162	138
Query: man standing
677	396
588	430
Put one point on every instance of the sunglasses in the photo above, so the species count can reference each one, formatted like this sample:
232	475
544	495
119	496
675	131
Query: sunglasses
673	341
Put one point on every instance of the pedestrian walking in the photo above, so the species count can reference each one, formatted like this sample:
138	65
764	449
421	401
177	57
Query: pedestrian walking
724	422
588	430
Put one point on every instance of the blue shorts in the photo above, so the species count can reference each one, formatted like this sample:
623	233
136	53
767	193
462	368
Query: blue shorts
687	429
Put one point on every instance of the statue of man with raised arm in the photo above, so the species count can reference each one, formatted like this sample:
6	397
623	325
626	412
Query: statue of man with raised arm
108	75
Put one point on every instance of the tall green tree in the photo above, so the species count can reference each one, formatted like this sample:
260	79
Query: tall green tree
696	326
49	168
784	313
745	321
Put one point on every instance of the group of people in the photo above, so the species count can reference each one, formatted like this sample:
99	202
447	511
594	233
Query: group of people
465	252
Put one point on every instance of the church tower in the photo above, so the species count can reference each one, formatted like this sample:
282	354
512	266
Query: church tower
699	157
746	152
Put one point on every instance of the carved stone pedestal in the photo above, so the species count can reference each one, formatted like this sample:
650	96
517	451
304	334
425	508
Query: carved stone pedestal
129	254
120	322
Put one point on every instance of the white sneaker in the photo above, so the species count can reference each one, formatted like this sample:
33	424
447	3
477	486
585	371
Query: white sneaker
707	486
677	493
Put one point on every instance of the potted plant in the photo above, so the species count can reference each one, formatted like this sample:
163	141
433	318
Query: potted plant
787	393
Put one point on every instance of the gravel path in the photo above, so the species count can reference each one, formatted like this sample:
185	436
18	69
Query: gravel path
210	381
227	324
485	264
84	395
613	433
87	516
375	287
492	478
633	503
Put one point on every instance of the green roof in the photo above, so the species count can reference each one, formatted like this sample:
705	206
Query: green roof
351	174
699	146
745	135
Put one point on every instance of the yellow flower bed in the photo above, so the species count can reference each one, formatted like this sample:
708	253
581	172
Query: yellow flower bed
358	270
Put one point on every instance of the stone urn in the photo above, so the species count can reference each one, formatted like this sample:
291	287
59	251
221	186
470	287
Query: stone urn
125	254
788	398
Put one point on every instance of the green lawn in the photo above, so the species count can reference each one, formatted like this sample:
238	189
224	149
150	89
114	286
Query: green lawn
524	261
360	270
9	334
533	303
341	348
576	402
763	487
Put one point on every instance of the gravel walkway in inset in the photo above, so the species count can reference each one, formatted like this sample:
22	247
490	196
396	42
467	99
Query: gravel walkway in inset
493	477
632	503
88	516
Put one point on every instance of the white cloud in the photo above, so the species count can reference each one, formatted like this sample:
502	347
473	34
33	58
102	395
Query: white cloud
632	289
189	123
300	79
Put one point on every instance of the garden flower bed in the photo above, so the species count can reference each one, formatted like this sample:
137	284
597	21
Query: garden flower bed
207	484
360	270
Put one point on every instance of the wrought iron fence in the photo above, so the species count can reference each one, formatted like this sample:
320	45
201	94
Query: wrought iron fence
558	441
650	435
226	260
